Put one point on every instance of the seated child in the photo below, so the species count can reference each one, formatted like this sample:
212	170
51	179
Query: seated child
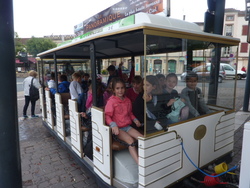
137	87
75	86
51	82
162	82
156	105
107	93
85	82
193	97
63	86
124	76
113	73
119	116
177	110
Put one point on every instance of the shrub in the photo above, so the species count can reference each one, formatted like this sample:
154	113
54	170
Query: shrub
104	72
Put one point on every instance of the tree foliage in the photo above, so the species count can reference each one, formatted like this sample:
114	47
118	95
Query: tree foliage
19	47
38	45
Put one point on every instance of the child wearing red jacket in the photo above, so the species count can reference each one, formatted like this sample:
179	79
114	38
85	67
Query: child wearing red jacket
119	116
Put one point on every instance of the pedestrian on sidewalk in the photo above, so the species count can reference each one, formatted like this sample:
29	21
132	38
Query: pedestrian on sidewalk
244	69
26	86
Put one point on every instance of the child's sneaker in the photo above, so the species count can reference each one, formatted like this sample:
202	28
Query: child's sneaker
34	116
25	117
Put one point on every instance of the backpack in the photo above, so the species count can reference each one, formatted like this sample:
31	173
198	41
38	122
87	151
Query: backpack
176	109
34	92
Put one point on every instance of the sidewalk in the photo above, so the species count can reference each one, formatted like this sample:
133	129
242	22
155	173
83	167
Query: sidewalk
240	119
45	163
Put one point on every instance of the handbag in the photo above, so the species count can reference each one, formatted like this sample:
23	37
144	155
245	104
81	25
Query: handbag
34	92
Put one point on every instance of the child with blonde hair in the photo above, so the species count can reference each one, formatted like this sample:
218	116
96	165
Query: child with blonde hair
75	86
119	116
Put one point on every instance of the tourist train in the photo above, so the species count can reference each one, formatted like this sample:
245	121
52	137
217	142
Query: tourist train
143	38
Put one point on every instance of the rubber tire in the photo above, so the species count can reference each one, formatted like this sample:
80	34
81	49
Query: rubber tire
239	77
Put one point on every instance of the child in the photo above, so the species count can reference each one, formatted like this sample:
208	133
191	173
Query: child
63	86
89	99
118	114
85	82
125	77
133	92
75	86
113	73
51	82
107	93
162	80
175	105
156	104
193	96
101	87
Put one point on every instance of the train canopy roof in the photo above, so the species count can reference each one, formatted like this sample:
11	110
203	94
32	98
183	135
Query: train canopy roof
129	40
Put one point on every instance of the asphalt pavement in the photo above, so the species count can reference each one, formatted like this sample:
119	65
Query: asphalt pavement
45	163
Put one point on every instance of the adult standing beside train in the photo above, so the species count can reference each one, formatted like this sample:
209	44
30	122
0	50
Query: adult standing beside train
26	86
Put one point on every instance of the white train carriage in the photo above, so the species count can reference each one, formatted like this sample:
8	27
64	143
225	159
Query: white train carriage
156	44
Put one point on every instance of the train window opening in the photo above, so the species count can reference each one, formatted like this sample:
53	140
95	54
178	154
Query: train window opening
159	109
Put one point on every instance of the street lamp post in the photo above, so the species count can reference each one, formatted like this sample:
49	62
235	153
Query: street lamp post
10	162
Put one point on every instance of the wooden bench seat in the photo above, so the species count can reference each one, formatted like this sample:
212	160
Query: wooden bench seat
118	146
65	101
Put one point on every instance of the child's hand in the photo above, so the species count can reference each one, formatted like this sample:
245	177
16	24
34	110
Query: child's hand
83	114
147	97
47	89
137	123
115	130
170	102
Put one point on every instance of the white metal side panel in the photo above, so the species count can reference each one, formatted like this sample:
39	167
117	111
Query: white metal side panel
101	146
219	138
75	126
50	120
245	156
162	170
60	123
161	160
42	104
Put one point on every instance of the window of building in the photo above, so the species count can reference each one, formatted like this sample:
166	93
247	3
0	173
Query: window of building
243	47
230	18
226	51
244	29
229	30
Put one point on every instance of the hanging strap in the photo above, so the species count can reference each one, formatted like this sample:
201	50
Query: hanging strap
32	82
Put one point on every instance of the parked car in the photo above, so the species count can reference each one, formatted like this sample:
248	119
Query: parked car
230	72
203	72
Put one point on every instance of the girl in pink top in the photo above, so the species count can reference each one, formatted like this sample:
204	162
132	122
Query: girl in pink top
89	99
118	114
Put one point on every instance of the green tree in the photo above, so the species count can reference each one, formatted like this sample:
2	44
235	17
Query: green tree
38	45
19	47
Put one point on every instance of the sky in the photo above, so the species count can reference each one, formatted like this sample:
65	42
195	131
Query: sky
40	18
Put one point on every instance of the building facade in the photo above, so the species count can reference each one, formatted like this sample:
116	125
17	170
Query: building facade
236	26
